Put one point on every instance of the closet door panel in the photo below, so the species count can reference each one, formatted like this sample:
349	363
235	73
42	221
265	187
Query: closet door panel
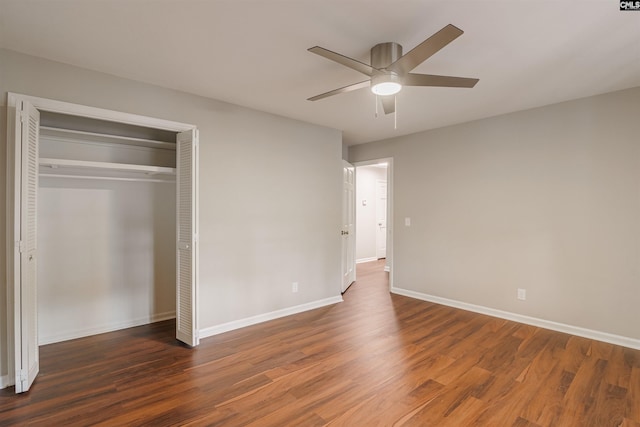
25	309
187	238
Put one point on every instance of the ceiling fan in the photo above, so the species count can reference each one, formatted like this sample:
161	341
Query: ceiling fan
390	70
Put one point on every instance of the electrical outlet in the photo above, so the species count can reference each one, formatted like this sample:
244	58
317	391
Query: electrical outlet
522	294
294	287
407	222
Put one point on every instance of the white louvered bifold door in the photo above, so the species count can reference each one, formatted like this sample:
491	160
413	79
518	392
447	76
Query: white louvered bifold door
26	314
187	236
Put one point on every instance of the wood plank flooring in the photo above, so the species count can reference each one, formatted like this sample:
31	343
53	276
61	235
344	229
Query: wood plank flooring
374	360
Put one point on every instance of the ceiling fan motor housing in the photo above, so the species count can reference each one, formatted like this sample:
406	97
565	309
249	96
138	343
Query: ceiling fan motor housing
385	54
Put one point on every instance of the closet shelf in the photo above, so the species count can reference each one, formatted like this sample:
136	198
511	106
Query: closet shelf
67	164
92	137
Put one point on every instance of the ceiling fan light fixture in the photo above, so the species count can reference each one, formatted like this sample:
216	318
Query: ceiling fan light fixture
386	88
385	84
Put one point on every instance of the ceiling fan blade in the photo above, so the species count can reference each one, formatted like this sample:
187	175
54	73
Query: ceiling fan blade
425	50
443	81
343	60
349	88
388	104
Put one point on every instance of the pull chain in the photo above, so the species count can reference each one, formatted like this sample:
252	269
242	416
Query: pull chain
395	112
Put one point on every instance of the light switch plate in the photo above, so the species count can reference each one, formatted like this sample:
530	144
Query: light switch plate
522	294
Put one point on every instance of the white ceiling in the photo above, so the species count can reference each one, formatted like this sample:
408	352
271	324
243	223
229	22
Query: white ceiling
526	53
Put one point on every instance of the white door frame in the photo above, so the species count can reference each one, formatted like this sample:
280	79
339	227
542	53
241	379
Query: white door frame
389	161
50	105
381	235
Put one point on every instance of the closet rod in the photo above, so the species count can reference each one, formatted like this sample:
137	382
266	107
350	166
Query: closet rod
108	178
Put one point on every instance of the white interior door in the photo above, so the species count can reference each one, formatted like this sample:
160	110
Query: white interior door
381	219
348	226
187	236
27	363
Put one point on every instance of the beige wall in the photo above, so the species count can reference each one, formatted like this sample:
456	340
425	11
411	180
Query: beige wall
270	190
546	199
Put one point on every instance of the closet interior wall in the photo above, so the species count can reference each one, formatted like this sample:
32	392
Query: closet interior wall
106	226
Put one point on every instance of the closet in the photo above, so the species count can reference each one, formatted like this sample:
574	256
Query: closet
103	224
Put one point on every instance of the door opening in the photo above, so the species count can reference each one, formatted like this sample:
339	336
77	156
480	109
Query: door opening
373	190
371	212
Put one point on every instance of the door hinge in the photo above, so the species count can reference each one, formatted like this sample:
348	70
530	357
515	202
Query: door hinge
20	246
23	115
22	373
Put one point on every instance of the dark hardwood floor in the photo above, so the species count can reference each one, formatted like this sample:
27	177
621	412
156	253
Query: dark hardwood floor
374	360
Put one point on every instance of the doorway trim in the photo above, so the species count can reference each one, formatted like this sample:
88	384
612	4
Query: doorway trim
381	235
390	255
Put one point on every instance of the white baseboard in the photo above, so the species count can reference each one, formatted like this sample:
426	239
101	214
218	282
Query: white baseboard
534	321
237	324
70	335
5	381
361	260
